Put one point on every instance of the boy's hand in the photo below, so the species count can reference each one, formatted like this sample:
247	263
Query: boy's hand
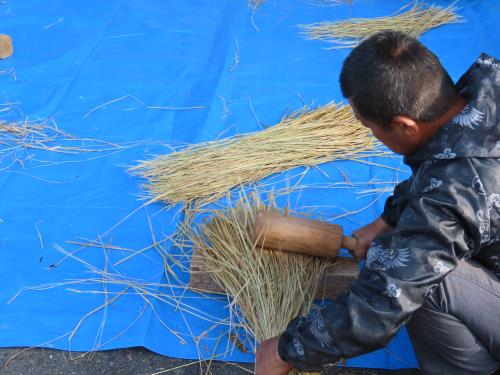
365	236
268	360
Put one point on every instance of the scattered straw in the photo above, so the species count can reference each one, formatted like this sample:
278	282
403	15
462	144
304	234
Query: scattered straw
24	141
45	135
255	4
16	137
236	60
59	20
144	105
416	20
209	170
327	2
265	296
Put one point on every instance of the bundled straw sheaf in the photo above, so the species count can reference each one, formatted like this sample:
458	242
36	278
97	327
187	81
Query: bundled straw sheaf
209	170
269	288
415	21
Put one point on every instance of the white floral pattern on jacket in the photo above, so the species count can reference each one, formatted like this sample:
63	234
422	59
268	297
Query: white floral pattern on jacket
318	328
434	183
387	258
469	117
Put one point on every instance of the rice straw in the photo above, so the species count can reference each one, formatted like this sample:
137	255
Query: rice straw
19	137
327	2
268	288
415	21
255	4
207	171
27	141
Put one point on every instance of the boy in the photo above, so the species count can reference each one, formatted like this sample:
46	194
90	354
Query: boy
433	258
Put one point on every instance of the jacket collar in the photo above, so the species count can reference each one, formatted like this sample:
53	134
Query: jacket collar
475	131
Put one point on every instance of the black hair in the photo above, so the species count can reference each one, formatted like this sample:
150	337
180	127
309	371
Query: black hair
391	73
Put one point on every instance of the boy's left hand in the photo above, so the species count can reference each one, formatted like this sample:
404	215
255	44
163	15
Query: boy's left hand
268	360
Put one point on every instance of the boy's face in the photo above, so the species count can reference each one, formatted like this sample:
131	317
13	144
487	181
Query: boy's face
398	139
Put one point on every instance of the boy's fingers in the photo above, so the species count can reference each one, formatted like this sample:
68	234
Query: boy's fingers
358	251
354	252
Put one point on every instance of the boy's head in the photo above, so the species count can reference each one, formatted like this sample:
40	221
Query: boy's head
396	86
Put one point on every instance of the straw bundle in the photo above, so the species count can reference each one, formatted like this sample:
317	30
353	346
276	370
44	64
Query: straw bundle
269	288
417	20
209	170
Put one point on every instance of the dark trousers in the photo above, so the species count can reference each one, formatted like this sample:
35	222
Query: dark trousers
457	330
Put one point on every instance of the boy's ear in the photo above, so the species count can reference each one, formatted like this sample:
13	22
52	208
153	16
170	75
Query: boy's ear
406	125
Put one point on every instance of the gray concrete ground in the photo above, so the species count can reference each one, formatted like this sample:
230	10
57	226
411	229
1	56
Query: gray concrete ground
132	361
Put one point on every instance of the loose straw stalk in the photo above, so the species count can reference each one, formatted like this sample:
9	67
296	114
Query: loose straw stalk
254	4
44	135
415	21
209	170
269	288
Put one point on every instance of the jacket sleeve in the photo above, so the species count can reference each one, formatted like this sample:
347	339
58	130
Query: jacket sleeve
402	267
396	202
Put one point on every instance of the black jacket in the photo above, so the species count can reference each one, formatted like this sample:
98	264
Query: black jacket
448	209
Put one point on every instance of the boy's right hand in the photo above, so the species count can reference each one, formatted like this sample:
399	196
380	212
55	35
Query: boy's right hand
365	236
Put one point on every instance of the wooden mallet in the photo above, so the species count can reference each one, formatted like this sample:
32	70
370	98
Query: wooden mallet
312	237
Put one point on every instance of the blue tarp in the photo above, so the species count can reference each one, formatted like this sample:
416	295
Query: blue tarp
108	71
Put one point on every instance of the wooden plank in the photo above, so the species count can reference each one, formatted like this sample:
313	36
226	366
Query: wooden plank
337	279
